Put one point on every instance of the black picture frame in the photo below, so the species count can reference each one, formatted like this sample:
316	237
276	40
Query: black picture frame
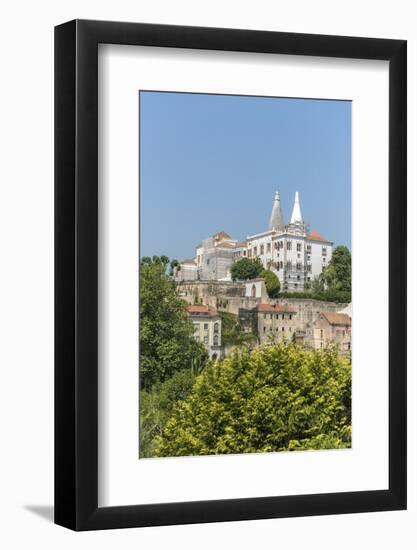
76	272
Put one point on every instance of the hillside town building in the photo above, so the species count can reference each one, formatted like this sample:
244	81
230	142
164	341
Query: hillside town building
207	328
332	328
276	323
293	253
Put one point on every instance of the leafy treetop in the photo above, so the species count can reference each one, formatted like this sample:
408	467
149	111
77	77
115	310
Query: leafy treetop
338	274
275	398
166	338
246	268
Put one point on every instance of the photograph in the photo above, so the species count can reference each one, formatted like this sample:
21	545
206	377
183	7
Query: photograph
245	310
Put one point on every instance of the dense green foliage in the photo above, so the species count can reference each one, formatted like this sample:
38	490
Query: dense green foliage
338	274
246	268
157	404
271	282
232	333
275	398
166	335
324	296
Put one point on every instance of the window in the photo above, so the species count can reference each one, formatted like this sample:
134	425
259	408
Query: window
290	316
264	329
289	245
283	317
309	268
289	264
244	252
208	262
283	328
264	315
205	326
281	264
298	247
271	316
308	248
262	249
321	334
216	327
216	340
206	339
255	250
324	251
299	266
268	247
249	253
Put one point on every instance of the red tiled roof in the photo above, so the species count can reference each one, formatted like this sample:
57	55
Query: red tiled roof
205	310
274	308
314	236
337	318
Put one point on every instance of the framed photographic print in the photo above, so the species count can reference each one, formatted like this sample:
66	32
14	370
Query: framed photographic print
230	243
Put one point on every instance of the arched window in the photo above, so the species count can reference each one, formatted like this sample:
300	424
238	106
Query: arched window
214	356
216	340
253	291
216	327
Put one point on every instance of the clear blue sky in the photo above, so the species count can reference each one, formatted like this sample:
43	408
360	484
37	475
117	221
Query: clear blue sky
212	163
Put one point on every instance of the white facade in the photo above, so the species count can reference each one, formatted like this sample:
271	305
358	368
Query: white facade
295	255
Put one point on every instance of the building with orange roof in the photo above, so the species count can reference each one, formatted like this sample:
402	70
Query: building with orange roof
275	323
207	328
332	328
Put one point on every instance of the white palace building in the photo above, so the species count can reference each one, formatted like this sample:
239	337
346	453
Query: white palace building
289	250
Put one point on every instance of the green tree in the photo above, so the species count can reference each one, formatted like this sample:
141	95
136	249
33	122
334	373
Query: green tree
275	398
166	334
317	284
157	404
173	265
271	282
338	274
232	332
246	268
